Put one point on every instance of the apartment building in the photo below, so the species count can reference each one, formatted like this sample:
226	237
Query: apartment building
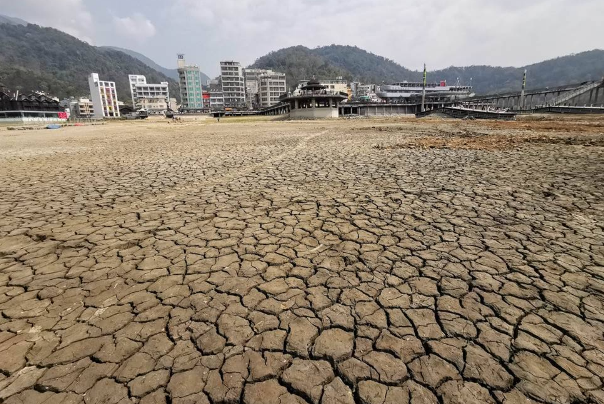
216	96
252	87
104	97
154	98
272	86
189	81
263	87
233	84
78	107
84	108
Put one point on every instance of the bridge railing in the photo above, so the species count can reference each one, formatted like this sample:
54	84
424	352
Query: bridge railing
581	90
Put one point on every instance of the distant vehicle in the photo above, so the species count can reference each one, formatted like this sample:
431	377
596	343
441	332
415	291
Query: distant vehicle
140	114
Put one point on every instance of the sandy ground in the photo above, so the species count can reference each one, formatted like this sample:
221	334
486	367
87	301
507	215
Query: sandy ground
256	261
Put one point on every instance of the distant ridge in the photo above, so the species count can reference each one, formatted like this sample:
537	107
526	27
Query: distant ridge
172	73
5	19
353	63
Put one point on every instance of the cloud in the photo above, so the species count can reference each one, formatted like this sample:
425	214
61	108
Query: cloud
136	27
438	32
70	16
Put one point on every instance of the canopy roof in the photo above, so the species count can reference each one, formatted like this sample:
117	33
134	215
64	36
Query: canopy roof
313	84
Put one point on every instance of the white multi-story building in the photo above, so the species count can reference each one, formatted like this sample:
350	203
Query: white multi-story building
104	97
272	86
233	84
135	79
154	98
263	87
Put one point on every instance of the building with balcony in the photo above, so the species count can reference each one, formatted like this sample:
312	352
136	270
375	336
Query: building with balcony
104	97
154	98
189	81
78	107
233	84
85	109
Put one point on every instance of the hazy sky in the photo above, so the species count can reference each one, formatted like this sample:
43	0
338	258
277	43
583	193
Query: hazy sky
439	32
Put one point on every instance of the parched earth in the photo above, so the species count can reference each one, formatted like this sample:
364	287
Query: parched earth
357	261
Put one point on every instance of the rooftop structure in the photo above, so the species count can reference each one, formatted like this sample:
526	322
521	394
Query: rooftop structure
338	85
34	107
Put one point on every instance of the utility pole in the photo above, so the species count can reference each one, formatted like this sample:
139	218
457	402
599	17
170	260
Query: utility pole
424	91
523	88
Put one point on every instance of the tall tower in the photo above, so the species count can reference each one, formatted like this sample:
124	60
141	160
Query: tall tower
424	90
181	60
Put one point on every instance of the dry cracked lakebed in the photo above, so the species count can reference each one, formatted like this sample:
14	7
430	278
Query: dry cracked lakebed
254	261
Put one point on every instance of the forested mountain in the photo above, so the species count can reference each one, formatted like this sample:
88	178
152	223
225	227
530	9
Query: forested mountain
354	63
37	58
299	62
172	73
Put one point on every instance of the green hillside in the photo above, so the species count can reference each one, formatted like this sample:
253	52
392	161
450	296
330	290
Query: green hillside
298	62
37	58
357	64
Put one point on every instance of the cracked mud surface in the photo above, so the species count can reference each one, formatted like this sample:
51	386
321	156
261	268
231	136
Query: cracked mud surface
295	262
